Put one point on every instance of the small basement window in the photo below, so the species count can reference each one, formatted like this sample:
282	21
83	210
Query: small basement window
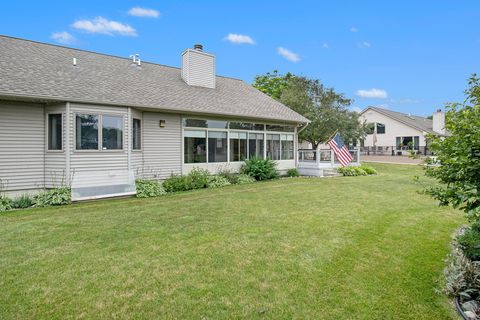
55	131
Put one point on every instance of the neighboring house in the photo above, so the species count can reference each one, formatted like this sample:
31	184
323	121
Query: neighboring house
97	122
395	133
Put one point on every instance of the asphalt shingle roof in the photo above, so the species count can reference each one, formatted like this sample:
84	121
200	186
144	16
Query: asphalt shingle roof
37	70
417	122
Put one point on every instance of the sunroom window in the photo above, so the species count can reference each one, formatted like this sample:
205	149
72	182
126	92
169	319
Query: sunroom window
238	146
195	146
273	146
255	145
217	146
287	146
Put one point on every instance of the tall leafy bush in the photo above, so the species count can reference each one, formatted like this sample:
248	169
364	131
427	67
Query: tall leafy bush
260	169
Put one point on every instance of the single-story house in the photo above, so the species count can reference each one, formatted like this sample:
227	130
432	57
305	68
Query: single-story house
96	122
395	133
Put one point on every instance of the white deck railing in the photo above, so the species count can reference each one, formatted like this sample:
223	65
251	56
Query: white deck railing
324	158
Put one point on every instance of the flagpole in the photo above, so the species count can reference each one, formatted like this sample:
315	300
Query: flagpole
331	136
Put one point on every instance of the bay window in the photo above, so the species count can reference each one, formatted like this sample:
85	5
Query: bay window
238	146
112	132
195	146
217	146
86	132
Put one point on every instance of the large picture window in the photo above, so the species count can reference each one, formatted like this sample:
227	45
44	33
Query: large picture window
137	134
112	133
238	146
287	146
255	145
55	131
273	146
195	147
217	146
86	132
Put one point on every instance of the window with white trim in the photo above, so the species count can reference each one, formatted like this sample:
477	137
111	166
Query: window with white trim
55	131
136	134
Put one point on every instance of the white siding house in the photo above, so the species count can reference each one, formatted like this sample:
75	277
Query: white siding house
96	122
395	133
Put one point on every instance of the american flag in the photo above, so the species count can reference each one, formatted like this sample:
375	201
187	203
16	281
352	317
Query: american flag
340	149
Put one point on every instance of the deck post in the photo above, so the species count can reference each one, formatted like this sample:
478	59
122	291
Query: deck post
332	158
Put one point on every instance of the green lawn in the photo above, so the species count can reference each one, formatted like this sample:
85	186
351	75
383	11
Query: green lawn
336	248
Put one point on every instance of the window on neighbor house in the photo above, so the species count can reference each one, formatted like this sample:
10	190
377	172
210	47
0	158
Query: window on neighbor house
195	146
55	131
370	128
112	132
380	128
287	146
238	146
86	128
273	146
137	134
255	145
217	146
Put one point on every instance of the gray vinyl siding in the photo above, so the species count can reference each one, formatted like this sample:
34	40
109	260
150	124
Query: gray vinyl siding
22	143
55	161
162	147
93	160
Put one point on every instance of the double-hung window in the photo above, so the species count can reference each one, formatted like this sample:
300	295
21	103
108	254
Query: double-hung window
55	131
217	146
195	146
137	134
273	146
255	145
287	146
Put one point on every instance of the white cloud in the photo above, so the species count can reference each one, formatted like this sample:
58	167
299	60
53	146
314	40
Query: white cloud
104	26
353	29
239	38
364	45
63	37
325	45
287	54
143	12
372	93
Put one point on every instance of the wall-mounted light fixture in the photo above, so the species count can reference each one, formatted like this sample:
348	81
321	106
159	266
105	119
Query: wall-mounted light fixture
161	123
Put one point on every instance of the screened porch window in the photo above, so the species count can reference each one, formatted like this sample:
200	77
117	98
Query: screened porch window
287	146
217	146
195	146
238	146
55	131
273	146
255	145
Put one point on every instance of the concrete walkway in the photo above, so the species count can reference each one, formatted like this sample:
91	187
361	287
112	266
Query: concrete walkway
391	159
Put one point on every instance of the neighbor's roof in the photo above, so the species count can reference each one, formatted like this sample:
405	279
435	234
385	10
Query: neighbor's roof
42	71
416	122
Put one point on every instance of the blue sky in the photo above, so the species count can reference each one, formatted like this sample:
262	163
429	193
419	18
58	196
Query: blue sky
409	56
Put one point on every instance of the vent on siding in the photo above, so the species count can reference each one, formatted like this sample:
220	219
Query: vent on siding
198	67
